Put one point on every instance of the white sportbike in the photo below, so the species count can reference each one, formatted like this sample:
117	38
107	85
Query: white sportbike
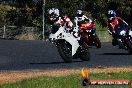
68	45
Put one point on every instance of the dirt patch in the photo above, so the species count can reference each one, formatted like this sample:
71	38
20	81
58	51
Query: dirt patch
14	76
27	36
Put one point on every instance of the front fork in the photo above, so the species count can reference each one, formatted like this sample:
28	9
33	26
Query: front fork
88	38
128	39
122	43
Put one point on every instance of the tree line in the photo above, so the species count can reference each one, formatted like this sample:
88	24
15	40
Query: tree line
21	13
30	12
97	9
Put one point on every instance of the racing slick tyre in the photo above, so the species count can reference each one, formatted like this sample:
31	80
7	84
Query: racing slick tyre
64	49
97	41
129	44
114	42
84	54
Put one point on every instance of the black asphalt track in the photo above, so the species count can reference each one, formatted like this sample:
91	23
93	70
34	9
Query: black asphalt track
42	55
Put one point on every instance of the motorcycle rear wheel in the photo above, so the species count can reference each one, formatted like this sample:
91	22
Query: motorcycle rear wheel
64	49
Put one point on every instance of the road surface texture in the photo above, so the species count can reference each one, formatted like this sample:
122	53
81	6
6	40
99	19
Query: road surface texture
41	55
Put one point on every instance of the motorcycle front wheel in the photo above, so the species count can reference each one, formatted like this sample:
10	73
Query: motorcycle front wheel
97	41
129	44
84	54
65	51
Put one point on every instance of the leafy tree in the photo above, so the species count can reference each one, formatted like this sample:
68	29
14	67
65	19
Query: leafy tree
3	13
24	3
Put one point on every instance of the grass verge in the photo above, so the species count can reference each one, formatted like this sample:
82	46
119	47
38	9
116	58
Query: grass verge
70	81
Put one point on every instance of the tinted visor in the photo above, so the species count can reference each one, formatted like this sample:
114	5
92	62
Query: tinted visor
111	15
79	15
53	16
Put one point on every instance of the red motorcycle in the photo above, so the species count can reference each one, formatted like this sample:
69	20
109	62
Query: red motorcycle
88	34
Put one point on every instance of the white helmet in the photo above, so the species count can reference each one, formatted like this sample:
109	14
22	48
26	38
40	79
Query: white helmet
79	13
53	13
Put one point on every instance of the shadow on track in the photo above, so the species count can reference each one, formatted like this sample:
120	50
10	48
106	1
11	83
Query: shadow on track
55	62
116	54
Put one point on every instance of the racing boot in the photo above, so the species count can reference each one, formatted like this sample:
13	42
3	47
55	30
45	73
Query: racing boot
114	42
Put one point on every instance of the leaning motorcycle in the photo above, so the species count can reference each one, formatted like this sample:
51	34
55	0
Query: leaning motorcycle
124	37
67	45
88	34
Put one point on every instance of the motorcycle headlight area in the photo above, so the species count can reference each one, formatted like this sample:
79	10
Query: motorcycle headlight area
90	29
130	33
123	33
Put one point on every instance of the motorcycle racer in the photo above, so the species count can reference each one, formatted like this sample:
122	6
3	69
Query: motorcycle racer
57	19
81	18
86	30
67	45
114	24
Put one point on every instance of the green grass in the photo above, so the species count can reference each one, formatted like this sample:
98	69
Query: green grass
104	36
71	81
103	33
